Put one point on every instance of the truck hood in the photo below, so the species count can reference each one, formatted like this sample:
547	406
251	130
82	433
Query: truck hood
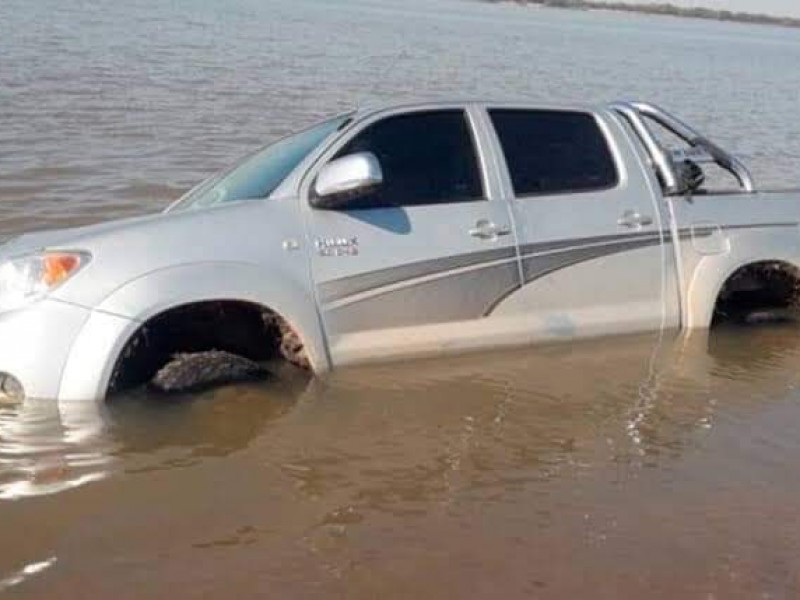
247	232
54	238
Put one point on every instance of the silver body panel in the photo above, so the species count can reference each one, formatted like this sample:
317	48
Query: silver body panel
412	281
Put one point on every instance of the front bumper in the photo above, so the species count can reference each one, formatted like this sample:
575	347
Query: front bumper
57	350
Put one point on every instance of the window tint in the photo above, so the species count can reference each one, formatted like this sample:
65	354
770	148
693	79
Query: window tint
426	158
551	152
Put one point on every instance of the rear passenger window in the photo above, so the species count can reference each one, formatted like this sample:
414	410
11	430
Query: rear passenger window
426	158
552	152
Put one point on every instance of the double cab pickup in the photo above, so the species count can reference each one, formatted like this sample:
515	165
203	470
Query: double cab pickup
406	231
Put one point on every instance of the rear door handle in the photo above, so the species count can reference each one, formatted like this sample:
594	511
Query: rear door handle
633	219
486	230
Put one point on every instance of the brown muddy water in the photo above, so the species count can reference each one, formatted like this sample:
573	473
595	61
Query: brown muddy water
642	467
654	466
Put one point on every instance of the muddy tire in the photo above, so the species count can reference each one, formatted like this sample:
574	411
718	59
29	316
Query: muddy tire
187	372
761	293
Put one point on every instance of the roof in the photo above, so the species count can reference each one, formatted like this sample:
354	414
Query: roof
422	104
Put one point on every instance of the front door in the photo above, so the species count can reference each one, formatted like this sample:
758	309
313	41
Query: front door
416	265
596	258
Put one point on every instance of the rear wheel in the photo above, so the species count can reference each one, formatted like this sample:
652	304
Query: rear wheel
760	293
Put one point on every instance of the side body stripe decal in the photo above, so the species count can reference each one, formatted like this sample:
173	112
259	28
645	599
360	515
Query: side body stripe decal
472	285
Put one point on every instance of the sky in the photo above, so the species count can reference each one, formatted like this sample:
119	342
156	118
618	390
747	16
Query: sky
783	8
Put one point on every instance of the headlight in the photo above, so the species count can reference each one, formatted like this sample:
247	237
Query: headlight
28	278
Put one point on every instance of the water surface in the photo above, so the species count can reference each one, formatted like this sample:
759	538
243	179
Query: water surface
642	466
115	108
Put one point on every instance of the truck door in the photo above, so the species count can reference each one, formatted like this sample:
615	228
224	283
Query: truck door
416	265
592	241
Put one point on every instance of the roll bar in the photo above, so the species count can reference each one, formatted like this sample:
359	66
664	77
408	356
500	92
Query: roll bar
701	149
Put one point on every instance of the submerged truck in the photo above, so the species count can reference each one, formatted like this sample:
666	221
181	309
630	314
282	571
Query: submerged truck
406	231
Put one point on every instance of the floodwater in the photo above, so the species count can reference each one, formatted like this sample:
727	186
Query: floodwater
656	466
646	467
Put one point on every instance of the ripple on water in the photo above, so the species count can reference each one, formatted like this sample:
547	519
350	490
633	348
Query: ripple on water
486	457
46	448
27	572
661	470
105	91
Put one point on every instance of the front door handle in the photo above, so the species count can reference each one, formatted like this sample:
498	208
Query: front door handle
486	230
633	219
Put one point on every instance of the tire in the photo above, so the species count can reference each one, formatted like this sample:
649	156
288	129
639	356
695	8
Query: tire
188	372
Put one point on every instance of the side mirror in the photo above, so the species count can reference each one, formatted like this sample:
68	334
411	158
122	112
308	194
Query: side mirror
346	178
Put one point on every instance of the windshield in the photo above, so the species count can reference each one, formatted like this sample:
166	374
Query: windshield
259	174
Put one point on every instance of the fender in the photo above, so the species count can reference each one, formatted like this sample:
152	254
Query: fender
712	272
123	312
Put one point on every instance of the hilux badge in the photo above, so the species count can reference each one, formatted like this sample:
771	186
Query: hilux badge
337	246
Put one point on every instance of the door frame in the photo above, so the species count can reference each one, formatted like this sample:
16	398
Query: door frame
626	156
486	162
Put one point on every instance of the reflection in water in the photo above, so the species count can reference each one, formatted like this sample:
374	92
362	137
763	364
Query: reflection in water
46	448
615	454
155	432
498	412
26	572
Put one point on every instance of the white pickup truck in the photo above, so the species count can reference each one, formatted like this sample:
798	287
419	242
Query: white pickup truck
406	231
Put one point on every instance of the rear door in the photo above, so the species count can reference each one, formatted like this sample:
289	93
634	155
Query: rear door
416	266
592	244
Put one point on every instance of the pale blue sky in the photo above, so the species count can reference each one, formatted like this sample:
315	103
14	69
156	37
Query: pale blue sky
786	8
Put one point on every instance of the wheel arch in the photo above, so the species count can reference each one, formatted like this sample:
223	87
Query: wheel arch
119	318
712	276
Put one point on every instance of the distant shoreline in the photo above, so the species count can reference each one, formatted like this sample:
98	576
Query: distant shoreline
665	9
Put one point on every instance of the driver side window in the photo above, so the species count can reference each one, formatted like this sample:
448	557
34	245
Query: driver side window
426	158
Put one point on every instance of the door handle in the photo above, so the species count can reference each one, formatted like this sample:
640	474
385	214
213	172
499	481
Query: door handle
633	219
486	230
